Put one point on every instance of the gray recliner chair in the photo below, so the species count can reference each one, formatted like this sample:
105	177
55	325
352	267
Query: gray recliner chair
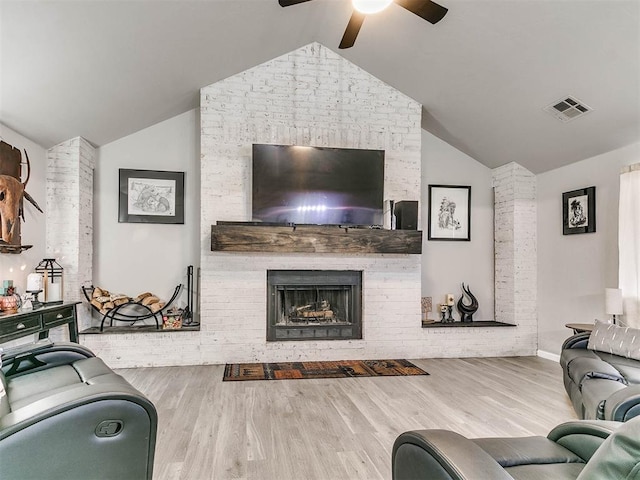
582	449
64	414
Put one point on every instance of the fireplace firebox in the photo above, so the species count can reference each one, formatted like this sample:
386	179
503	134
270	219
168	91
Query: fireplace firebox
314	305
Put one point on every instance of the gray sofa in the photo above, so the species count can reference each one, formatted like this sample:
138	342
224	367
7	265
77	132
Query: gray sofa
581	449
65	415
600	385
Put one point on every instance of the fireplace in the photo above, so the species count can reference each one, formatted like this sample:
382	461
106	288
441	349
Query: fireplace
314	305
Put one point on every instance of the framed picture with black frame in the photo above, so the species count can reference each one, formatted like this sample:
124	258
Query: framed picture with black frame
449	213
151	196
579	211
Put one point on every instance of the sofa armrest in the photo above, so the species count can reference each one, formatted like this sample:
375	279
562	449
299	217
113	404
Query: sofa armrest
623	405
579	340
583	437
108	428
42	356
442	455
61	402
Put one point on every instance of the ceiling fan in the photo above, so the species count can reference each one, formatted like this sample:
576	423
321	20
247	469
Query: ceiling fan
430	11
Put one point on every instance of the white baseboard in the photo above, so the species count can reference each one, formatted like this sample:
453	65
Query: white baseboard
549	356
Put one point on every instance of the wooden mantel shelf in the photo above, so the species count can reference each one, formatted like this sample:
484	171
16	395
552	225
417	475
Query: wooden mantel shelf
313	239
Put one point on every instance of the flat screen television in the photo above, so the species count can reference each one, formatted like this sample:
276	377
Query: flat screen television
317	185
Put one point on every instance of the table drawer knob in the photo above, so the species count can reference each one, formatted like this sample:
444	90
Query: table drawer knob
59	315
20	326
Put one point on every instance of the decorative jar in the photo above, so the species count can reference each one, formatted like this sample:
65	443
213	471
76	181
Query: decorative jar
9	303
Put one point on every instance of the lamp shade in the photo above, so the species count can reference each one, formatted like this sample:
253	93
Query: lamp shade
613	301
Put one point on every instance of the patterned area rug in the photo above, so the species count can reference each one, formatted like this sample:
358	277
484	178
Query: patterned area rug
339	369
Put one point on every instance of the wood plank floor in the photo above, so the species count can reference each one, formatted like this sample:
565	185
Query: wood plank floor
338	428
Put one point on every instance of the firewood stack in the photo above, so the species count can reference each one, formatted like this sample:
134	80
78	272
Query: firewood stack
104	301
315	310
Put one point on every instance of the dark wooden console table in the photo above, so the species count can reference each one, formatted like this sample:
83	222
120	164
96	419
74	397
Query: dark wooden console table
39	320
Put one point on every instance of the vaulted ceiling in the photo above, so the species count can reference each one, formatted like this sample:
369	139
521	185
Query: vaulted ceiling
103	69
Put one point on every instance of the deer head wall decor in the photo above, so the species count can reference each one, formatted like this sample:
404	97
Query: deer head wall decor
12	193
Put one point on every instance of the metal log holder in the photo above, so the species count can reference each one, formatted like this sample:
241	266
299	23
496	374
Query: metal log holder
119	314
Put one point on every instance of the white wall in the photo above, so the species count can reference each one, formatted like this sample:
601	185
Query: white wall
132	258
574	270
16	267
445	265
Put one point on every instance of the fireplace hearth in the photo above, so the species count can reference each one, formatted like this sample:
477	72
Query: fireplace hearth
314	305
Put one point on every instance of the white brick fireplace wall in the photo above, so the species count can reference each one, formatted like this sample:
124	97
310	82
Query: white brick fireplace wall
311	96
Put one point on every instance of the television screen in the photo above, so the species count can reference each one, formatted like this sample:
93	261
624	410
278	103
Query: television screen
317	185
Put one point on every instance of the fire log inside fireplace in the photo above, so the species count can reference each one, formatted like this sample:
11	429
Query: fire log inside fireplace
312	312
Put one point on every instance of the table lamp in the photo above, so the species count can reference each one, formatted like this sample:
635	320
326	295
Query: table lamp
613	302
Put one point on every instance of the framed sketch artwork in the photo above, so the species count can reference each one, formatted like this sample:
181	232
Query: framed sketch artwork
148	196
579	211
449	212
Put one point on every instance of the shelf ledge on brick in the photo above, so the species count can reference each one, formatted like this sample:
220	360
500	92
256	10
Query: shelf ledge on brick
479	323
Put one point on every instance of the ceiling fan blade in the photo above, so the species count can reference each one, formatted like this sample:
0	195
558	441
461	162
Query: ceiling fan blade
430	11
288	3
353	27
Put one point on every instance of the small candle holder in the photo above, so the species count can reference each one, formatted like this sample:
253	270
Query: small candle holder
449	314
34	298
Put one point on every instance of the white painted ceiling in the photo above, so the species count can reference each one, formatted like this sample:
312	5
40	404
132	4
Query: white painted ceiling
103	69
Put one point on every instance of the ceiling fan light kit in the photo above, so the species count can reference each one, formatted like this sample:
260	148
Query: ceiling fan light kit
370	6
426	9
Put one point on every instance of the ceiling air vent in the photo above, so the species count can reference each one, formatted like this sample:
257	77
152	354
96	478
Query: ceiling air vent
567	109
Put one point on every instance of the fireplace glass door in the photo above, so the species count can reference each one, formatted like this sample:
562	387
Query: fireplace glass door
314	305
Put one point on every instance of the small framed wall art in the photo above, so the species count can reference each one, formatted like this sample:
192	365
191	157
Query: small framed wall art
579	211
449	212
149	196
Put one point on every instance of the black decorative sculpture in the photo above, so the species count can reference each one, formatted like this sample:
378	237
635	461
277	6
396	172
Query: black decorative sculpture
467	311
